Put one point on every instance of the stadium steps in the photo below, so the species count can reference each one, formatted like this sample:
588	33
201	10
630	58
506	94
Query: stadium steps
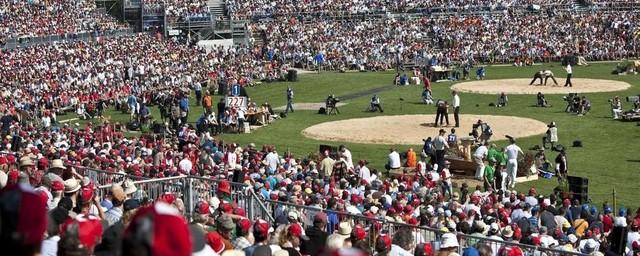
217	9
579	6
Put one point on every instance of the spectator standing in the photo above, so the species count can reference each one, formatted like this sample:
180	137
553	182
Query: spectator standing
478	158
289	100
441	112
561	164
456	107
440	145
551	135
512	151
569	74
197	87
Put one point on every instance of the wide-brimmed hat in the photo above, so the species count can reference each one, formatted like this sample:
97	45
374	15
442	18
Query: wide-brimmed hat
449	240
57	164
129	187
344	229
507	232
26	162
71	185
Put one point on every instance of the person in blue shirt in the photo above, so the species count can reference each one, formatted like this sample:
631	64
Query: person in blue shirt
201	124
319	60
404	80
184	108
480	73
289	100
132	102
145	113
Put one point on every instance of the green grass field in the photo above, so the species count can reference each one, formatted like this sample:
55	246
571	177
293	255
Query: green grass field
610	157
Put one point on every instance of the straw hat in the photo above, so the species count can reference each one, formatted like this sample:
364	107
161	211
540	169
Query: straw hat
26	162
71	185
57	164
344	229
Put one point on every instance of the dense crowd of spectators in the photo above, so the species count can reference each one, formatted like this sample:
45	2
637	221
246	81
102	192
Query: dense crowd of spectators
263	8
187	10
44	80
67	206
129	73
53	17
381	44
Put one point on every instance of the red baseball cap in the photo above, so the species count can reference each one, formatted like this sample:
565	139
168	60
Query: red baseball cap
383	243
239	211
87	194
224	187
160	229
296	230
359	233
244	225
202	207
87	228
24	214
167	198
215	241
57	185
261	227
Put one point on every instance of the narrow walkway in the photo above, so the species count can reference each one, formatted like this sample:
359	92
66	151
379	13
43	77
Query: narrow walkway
366	92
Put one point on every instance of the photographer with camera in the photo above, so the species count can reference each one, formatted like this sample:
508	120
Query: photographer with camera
585	106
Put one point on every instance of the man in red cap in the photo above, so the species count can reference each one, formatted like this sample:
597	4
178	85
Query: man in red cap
261	233
317	235
224	191
157	230
24	220
242	240
80	235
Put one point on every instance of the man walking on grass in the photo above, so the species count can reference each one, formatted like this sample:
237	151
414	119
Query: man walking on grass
512	151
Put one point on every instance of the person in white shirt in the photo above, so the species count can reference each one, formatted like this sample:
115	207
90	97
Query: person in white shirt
363	171
456	107
394	159
512	151
346	153
272	161
185	165
478	158
569	73
440	144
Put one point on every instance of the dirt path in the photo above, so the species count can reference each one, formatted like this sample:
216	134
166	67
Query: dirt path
521	86
308	106
411	129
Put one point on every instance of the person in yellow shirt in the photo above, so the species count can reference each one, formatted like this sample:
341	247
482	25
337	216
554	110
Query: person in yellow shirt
411	158
581	224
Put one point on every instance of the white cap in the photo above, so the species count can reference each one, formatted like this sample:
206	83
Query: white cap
449	240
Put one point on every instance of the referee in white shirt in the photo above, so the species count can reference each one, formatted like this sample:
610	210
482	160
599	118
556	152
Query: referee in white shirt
456	107
569	73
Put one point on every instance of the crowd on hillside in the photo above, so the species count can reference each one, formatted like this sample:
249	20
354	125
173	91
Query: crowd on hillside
261	8
381	44
130	73
86	78
52	17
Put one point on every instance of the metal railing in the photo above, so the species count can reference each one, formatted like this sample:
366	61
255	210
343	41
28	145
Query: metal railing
421	234
190	189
